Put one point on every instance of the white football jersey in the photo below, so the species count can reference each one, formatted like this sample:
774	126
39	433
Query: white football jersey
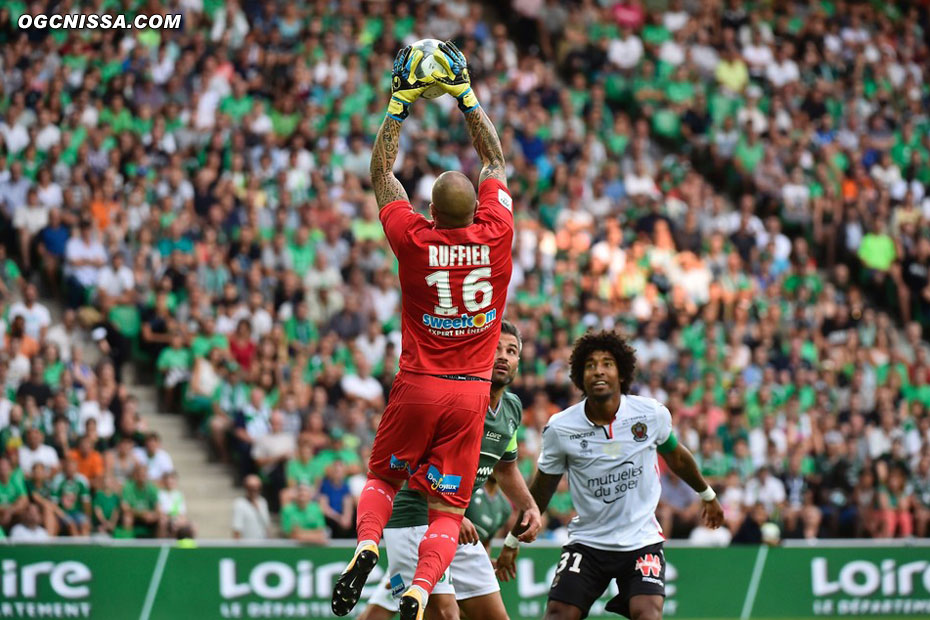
613	472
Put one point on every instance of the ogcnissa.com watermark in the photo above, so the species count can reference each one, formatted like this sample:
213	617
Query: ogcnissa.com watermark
80	21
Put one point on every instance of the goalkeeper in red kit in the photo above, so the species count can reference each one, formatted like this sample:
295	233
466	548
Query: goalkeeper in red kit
454	272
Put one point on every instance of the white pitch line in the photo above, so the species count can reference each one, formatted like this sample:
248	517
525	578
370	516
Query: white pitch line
155	582
754	582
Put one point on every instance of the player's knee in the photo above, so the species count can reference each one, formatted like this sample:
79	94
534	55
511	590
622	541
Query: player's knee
374	612
441	506
397	483
443	612
646	608
647	614
556	610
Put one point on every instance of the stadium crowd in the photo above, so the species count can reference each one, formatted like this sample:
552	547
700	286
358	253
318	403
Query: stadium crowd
740	187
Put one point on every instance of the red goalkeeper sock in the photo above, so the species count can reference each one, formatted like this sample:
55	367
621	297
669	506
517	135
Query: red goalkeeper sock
437	548
374	509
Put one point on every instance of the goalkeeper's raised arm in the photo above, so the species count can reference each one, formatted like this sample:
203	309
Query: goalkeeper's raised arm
455	80
405	89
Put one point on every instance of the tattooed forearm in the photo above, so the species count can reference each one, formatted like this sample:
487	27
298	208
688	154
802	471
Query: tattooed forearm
385	185
488	144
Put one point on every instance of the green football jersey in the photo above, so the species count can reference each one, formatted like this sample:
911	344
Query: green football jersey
308	518
499	443
10	492
488	513
78	485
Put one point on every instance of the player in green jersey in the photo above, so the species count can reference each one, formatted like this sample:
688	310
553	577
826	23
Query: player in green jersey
488	511
469	584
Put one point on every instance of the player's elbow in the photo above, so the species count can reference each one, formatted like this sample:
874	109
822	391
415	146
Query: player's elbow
377	168
496	163
672	460
502	468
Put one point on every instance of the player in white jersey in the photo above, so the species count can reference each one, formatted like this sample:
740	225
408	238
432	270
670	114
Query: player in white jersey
609	445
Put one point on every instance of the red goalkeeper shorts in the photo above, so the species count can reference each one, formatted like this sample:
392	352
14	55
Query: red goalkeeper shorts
431	433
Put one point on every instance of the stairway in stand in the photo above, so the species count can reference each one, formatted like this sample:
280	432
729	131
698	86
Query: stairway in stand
207	487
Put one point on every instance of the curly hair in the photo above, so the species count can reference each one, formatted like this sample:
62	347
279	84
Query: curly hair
612	343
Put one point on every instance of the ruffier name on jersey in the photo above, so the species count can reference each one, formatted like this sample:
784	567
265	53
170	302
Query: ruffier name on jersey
457	255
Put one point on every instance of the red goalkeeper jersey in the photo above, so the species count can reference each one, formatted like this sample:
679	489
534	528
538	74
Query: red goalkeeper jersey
453	284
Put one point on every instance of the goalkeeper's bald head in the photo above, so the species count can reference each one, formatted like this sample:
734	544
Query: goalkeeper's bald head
453	200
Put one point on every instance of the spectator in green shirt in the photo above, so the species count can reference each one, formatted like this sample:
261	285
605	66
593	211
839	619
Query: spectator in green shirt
740	460
238	104
125	529
731	71
299	471
174	365
117	116
207	338
367	227
749	152
13	499
40	492
712	461
71	490
140	499
299	329
107	506
301	251
733	430
75	521
338	451
11	278
302	520
877	251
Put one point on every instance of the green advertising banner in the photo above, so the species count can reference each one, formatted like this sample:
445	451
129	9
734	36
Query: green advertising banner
865	581
120	582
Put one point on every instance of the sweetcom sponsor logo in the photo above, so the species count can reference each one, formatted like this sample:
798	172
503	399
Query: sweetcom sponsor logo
463	324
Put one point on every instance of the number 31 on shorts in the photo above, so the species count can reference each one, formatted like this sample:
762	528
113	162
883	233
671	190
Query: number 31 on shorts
575	559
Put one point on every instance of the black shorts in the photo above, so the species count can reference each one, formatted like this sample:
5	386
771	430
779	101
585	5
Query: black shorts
584	573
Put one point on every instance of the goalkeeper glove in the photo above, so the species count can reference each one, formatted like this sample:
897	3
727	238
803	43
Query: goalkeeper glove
405	87
454	78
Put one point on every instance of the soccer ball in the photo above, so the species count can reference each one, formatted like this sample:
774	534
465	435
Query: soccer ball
427	65
771	534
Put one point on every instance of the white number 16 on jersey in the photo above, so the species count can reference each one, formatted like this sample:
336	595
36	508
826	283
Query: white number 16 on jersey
475	283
